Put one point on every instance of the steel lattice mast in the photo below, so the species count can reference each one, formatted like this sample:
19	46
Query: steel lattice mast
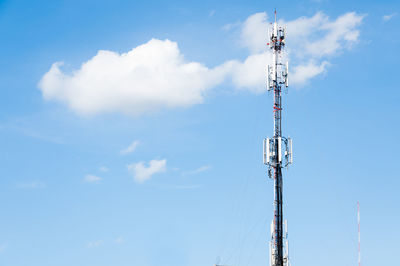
359	234
278	149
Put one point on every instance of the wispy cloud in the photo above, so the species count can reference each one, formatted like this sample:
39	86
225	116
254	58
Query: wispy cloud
230	26
388	17
131	148
316	39
91	179
119	240
198	170
2	247
95	244
178	187
32	185
141	172
21	126
104	169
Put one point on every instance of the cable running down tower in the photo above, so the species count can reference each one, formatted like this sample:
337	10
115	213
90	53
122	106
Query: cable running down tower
278	149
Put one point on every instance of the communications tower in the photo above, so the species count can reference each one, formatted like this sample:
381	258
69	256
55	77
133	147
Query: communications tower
277	149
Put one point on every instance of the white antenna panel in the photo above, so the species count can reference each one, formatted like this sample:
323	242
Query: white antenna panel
264	152
287	74
279	149
286	231
272	228
273	72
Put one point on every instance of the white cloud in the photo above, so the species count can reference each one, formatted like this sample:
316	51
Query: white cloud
254	32
95	244
104	169
302	73
311	42
388	17
141	172
250	74
3	247
318	36
91	179
131	148
32	185
150	77
120	240
155	76
198	170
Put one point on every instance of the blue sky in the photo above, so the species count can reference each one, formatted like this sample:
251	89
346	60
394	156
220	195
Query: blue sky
101	166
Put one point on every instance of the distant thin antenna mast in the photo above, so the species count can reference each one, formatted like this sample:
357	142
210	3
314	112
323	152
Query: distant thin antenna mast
359	234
